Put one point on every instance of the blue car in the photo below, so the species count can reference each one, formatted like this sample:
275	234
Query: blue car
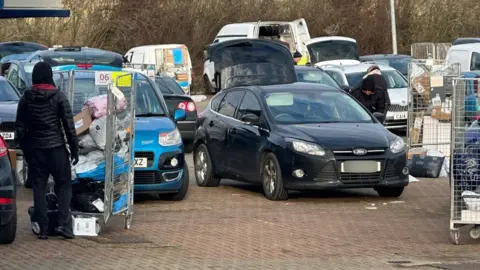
160	166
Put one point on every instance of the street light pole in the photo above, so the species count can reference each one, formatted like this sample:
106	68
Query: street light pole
394	26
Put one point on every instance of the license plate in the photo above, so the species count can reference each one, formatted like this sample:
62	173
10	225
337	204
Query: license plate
140	162
361	166
8	135
400	116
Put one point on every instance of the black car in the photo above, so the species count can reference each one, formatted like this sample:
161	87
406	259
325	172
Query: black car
19	47
176	98
8	209
311	74
9	98
298	136
399	62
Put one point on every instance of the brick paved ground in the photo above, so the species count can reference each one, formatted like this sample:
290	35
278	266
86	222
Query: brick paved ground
235	227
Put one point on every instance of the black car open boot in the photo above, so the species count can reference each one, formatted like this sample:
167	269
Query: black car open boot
65	232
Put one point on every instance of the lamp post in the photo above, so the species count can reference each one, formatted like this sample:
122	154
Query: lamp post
394	26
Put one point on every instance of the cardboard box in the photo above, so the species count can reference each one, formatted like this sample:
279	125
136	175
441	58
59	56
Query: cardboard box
445	116
13	158
421	85
82	121
436	112
417	128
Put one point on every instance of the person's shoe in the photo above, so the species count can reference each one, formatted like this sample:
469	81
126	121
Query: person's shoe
66	233
43	235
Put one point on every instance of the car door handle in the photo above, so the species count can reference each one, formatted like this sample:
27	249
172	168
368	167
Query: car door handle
233	131
211	124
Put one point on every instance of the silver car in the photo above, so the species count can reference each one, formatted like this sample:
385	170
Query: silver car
352	75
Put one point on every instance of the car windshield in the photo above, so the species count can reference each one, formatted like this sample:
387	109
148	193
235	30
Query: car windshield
147	101
313	106
333	50
7	92
393	78
316	76
169	86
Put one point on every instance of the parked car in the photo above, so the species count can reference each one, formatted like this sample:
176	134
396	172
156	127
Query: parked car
19	74
332	50
298	136
467	55
171	59
176	98
8	206
467	40
160	166
78	58
399	62
9	98
219	56
352	75
18	47
311	74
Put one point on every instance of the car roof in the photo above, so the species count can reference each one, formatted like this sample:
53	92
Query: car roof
466	46
307	68
383	56
362	67
329	38
297	86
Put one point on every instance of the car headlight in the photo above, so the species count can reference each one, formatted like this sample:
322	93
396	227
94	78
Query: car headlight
170	138
397	145
308	148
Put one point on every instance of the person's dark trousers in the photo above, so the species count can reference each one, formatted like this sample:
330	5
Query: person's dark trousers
54	161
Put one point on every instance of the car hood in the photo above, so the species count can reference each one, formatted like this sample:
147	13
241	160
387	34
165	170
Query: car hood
340	135
398	96
337	62
148	128
8	110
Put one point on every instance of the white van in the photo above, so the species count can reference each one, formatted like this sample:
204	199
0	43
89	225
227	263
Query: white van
170	59
468	55
332	50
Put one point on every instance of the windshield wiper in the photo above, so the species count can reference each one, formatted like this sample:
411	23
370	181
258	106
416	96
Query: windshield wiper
150	114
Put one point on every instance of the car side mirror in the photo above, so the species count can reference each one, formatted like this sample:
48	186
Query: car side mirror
345	88
179	115
251	119
379	116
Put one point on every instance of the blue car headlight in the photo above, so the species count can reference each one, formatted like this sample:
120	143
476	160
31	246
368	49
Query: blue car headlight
397	145
307	148
170	138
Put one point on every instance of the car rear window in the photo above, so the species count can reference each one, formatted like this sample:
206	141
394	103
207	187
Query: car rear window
169	86
95	57
18	48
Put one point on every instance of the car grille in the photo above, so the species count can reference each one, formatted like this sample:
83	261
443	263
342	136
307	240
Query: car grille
360	178
149	155
390	171
397	108
10	127
328	173
348	153
147	177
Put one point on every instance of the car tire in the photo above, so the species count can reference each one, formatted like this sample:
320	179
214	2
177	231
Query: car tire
204	174
208	86
9	230
182	193
390	192
272	181
188	146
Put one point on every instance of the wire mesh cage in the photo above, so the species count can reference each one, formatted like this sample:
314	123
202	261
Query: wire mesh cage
465	161
430	104
103	105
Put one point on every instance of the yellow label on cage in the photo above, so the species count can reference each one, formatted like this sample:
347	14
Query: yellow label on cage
124	79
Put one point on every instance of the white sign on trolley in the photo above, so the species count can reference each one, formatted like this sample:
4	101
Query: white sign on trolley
103	78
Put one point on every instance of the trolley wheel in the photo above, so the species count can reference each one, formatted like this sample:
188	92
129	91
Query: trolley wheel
128	221
98	227
455	236
475	232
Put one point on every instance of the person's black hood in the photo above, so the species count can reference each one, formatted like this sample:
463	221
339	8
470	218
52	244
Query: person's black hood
42	74
374	82
43	87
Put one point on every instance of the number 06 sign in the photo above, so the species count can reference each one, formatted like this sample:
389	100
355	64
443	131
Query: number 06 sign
103	78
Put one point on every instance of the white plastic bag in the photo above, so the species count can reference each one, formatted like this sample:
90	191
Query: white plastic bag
472	200
85	167
123	120
96	156
98	131
87	142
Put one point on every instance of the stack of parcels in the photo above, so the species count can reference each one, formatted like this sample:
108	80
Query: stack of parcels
90	173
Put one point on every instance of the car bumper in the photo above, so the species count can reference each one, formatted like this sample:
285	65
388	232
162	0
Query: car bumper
187	129
159	175
326	173
396	120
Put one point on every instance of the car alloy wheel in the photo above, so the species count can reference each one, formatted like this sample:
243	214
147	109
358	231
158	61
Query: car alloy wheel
269	176
201	166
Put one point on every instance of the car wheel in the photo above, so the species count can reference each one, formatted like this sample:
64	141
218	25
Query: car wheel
208	86
390	192
9	230
188	146
272	179
182	193
204	174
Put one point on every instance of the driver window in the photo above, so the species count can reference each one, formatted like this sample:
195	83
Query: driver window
336	76
249	105
230	103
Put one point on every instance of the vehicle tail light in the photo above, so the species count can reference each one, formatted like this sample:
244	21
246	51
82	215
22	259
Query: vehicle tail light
6	201
3	147
85	66
188	106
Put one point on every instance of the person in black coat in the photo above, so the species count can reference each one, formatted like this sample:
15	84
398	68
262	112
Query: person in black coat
44	119
371	94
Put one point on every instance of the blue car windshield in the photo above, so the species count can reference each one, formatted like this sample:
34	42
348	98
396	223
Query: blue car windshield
313	106
316	76
7	92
